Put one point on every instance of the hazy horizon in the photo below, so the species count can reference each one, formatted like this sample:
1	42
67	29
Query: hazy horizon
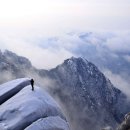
46	31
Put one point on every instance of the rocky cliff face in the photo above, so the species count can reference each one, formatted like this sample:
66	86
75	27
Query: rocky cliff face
125	125
87	97
21	108
13	66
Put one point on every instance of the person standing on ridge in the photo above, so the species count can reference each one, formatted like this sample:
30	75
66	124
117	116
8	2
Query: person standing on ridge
32	84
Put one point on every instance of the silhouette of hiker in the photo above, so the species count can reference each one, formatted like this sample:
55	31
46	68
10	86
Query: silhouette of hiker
32	84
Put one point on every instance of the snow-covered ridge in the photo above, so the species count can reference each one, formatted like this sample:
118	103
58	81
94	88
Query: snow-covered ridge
7	90
27	109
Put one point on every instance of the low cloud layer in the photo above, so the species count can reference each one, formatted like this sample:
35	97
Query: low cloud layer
39	56
108	51
49	52
119	82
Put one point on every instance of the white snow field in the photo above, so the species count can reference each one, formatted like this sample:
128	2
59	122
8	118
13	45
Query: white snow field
24	109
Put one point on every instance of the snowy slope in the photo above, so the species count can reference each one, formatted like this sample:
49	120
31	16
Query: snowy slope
26	107
9	89
49	123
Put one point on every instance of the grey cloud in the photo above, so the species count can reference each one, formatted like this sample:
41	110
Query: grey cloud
40	57
127	58
6	76
119	82
119	43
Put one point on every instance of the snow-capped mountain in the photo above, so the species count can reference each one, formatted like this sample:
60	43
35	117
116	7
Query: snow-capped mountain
87	97
83	89
24	109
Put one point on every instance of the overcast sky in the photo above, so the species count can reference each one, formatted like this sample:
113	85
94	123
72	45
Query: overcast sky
26	24
49	15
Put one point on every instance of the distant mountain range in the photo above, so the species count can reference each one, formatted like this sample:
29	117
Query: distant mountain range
87	97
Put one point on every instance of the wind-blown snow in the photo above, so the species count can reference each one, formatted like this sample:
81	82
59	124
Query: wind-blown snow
26	107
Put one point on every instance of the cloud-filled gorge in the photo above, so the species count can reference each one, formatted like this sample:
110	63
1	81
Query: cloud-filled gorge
109	51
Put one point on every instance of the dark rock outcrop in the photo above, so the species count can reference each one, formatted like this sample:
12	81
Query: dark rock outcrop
125	125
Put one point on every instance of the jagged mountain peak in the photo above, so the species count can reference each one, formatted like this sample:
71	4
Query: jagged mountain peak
20	60
85	84
10	60
7	52
75	60
13	66
79	65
